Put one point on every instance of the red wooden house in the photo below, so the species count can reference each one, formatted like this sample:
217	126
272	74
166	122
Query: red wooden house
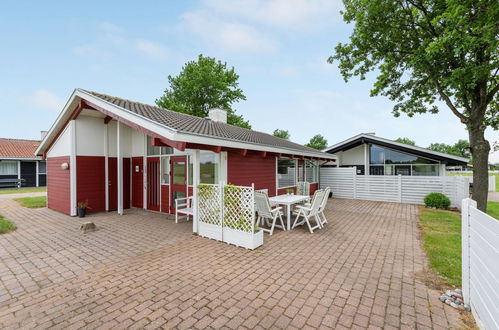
117	154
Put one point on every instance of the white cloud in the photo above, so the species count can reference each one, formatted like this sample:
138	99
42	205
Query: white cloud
287	14
151	48
47	100
230	36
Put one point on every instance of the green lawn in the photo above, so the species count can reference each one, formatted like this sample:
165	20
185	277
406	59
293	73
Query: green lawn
442	242
493	209
6	225
32	202
22	190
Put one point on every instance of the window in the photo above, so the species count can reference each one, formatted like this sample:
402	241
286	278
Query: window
42	167
208	167
427	170
165	170
312	172
8	167
190	170
301	171
385	161
286	172
156	151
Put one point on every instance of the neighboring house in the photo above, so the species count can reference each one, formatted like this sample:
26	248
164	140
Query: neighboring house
378	156
18	161
116	154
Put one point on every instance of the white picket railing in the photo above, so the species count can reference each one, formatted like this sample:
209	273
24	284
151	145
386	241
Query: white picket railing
480	264
227	213
345	183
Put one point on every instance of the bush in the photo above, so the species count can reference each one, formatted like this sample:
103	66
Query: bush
437	200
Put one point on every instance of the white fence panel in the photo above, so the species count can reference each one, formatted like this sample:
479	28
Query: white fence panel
345	183
480	267
491	182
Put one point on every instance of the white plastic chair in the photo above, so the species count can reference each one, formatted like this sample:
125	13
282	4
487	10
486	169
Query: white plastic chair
183	207
265	212
321	215
309	212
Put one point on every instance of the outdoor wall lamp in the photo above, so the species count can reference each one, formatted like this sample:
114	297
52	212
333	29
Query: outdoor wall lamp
64	166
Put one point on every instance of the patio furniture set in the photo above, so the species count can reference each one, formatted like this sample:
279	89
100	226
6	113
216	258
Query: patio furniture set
269	210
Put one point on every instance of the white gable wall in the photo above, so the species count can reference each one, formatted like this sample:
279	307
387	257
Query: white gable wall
62	146
354	156
90	136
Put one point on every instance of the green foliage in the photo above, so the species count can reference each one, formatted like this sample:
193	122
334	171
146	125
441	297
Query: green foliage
6	225
202	85
460	148
280	133
442	242
424	51
438	200
317	142
406	141
32	202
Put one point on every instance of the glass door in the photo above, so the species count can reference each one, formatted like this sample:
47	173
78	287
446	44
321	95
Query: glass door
178	179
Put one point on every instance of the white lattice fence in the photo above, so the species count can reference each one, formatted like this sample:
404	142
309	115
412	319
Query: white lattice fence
228	214
209	210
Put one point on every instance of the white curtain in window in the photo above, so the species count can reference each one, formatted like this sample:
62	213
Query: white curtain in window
8	167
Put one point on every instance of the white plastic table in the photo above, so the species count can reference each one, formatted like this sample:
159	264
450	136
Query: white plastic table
288	201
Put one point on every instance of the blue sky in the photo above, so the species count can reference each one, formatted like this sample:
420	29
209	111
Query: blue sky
127	49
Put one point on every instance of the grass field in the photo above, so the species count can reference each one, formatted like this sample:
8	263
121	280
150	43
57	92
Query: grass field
6	225
22	190
442	242
32	202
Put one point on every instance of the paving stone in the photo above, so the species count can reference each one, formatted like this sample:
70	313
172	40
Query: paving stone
142	270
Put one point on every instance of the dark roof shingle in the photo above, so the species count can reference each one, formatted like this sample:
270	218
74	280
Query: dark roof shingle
202	126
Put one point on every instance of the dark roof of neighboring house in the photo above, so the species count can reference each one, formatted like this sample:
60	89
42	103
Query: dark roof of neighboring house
18	148
202	126
371	138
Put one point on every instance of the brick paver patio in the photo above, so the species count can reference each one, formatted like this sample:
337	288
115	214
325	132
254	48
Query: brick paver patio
141	270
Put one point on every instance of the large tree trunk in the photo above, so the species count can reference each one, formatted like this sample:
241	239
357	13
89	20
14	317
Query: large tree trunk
480	149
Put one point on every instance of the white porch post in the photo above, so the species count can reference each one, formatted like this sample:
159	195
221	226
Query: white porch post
72	167
19	169
106	164
37	174
120	168
366	159
195	183
223	167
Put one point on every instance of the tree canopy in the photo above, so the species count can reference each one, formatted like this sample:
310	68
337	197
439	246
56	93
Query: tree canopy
460	148
317	142
429	51
281	133
406	141
202	85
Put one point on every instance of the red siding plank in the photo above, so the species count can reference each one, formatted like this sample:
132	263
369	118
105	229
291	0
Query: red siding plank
126	183
245	170
58	184
165	198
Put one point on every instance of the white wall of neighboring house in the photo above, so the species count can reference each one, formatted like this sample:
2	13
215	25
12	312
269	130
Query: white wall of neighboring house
354	156
62	146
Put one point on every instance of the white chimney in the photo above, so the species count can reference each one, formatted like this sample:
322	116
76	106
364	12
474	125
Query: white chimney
43	134
218	115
